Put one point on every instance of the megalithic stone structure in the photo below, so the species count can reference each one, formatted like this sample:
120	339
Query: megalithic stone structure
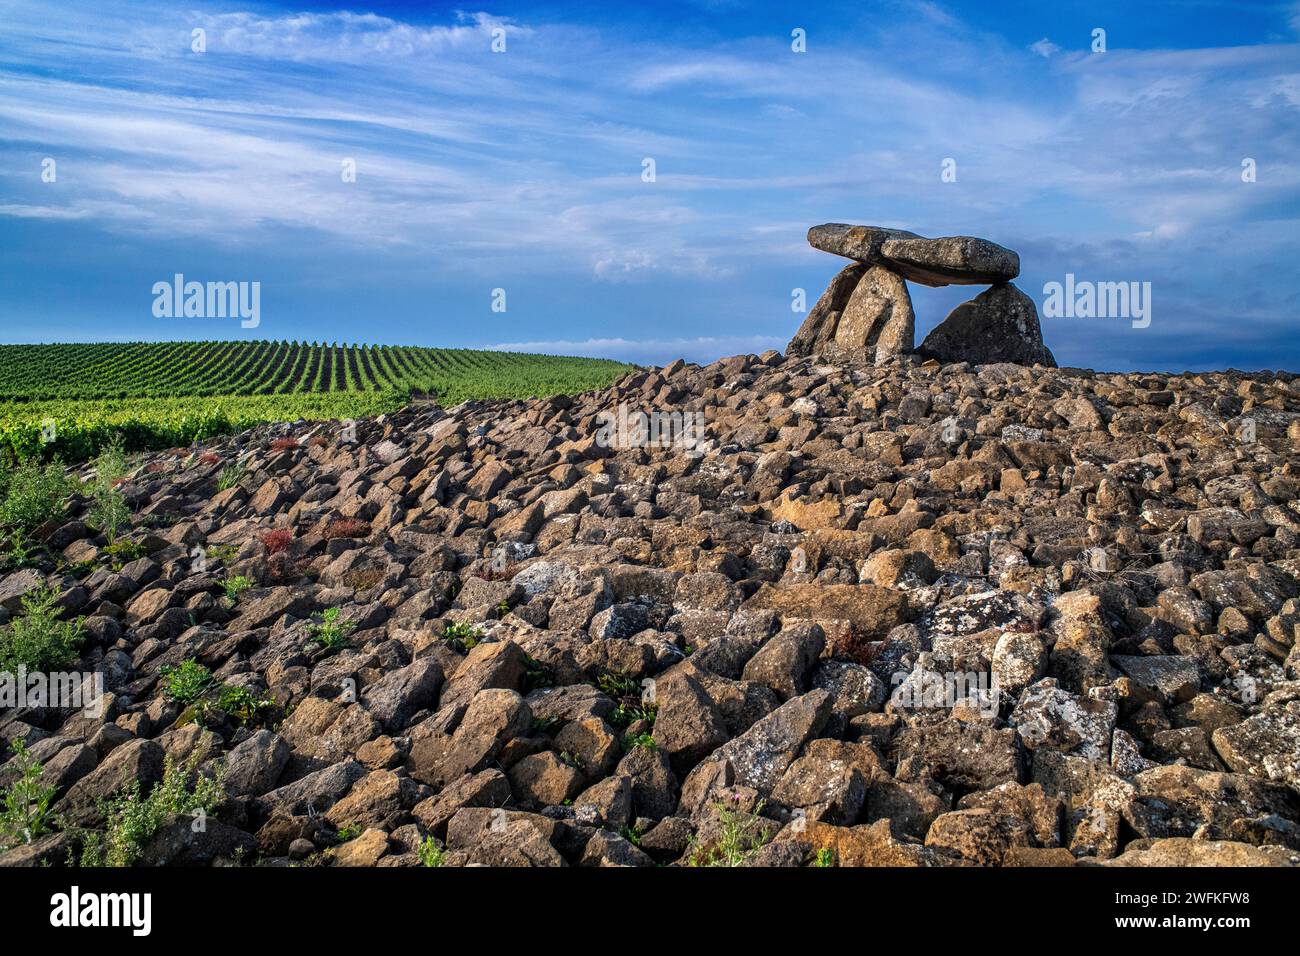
866	314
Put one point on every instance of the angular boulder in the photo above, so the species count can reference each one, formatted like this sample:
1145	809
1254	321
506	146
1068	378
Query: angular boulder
854	242
865	314
818	329
998	325
953	260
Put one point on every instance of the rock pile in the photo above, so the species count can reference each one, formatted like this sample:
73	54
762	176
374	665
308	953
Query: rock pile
865	314
915	615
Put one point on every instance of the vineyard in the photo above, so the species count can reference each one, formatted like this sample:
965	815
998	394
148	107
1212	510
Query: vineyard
68	399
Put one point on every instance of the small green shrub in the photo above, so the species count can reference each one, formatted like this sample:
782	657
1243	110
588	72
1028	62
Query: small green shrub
825	857
330	632
18	552
207	699
462	636
122	553
188	682
225	553
571	759
617	684
430	853
742	835
34	494
39	640
231	475
109	511
544	725
25	807
244	706
110	463
133	819
630	706
236	585
536	675
632	741
625	714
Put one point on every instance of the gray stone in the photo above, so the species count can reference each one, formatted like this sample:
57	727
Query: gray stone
688	726
998	325
1174	679
854	242
316	792
178	843
140	761
254	766
818	329
952	260
762	754
877	322
1266	745
784	662
14	587
396	697
865	315
854	689
961	260
1048	716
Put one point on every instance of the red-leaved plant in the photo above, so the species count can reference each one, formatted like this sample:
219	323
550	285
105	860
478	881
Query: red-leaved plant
858	648
347	528
276	540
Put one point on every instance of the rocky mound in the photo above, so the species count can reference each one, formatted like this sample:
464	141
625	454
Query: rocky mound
915	615
865	314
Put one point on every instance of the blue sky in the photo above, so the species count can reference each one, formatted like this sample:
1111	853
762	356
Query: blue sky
522	170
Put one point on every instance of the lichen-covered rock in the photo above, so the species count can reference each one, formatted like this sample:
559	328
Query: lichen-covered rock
761	755
1047	716
1183	851
1266	745
961	754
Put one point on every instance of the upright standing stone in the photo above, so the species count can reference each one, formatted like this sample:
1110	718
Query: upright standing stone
998	325
819	328
877	322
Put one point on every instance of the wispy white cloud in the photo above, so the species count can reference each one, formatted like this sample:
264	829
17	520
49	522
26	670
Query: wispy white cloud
348	36
19	211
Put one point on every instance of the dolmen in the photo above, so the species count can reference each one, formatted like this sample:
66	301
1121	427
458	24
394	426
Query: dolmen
866	314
